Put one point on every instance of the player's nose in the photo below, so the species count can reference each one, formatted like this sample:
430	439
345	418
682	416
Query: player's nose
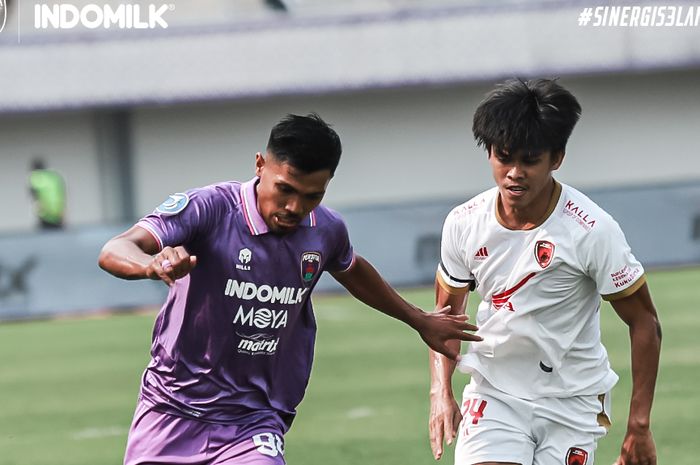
295	206
516	171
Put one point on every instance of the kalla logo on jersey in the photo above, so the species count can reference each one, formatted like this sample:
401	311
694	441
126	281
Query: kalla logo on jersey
544	251
310	264
174	204
576	456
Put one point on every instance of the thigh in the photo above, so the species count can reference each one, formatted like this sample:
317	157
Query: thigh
160	438
568	430
263	448
495	429
566	448
497	463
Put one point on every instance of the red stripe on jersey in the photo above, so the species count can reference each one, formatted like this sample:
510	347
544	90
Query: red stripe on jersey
503	296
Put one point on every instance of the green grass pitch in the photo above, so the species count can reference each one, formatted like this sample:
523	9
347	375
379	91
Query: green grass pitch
68	387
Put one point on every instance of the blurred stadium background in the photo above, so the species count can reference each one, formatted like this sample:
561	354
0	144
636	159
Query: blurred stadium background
129	116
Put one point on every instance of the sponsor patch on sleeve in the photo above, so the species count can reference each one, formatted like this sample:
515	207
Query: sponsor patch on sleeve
174	204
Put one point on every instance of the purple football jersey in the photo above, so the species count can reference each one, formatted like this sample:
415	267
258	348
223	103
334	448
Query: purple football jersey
234	340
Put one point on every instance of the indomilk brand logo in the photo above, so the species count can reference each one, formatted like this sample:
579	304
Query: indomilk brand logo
93	16
265	293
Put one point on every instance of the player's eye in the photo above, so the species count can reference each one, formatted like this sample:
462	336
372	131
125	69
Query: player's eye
502	156
315	197
285	188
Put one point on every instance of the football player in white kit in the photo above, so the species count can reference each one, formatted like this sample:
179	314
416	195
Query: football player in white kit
540	254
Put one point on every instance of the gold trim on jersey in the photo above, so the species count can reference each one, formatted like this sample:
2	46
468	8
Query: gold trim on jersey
626	292
553	201
603	418
450	289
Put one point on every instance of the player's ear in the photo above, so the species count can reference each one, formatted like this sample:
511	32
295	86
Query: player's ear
259	163
557	159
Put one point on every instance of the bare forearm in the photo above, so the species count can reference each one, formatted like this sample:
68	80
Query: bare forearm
646	346
441	367
441	371
370	288
124	259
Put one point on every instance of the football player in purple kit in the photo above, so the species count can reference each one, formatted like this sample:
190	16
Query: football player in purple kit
233	343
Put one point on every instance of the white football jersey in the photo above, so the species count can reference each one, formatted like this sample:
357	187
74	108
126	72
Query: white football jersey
540	291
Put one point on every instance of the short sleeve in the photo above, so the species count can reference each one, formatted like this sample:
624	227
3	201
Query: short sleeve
453	272
343	255
180	218
609	261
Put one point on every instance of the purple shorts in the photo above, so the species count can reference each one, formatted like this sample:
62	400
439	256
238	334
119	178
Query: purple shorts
162	438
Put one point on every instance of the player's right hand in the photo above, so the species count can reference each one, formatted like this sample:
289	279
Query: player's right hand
441	326
171	264
443	423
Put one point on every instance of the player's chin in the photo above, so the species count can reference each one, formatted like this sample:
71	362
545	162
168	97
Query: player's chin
284	228
285	225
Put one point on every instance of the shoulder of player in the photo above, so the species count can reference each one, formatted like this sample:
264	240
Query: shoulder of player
327	217
478	205
223	193
222	197
585	216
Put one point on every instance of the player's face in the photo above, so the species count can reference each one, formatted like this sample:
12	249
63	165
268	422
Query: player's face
285	194
524	178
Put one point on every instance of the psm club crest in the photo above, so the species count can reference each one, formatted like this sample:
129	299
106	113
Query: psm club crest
544	251
576	456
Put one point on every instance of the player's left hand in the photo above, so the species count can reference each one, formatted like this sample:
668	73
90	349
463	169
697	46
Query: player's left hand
441	326
638	448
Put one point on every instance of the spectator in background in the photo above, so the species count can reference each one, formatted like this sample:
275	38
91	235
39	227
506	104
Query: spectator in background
49	193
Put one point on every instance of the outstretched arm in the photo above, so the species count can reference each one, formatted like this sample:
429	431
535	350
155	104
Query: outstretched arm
436	329
135	254
639	313
445	415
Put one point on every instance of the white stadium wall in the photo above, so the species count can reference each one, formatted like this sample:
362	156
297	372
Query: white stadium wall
409	157
416	144
400	146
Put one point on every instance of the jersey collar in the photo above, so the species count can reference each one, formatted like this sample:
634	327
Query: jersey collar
553	201
255	222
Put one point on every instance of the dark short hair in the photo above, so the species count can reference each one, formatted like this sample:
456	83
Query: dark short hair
305	142
529	115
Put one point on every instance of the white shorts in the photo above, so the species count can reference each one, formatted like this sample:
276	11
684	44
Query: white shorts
497	427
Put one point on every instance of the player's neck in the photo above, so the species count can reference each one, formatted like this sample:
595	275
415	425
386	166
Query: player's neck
531	215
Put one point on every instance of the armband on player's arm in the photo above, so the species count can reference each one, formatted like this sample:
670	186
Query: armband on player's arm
451	284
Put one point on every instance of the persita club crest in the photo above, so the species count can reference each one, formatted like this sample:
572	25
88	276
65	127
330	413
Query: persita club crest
544	251
310	264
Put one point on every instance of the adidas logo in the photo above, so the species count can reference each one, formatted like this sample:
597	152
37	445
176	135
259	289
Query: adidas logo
481	254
